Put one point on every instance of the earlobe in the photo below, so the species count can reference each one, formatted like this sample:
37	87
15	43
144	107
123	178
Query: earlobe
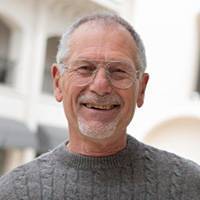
55	74
142	89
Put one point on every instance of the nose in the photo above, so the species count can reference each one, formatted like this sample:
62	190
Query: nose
101	84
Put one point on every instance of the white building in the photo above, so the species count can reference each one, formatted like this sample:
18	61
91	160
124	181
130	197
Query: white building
29	33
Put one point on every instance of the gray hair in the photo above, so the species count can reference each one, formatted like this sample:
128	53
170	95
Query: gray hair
107	19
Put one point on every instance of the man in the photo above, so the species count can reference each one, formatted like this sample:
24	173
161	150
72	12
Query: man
100	78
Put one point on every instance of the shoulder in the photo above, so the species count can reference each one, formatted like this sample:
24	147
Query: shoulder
179	171
161	157
191	172
178	174
20	181
11	183
165	158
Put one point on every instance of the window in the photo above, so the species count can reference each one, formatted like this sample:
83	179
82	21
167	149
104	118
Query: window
198	81
5	63
51	50
198	75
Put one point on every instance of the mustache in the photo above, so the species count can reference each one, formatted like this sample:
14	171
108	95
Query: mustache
94	98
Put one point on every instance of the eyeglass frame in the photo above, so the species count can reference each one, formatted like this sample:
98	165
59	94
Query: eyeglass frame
105	64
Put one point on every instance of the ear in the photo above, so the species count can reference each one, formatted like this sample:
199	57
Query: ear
56	77
142	87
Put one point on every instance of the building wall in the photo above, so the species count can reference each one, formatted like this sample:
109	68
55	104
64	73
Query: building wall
169	31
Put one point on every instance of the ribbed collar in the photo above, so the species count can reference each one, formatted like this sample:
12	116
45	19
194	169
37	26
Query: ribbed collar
122	158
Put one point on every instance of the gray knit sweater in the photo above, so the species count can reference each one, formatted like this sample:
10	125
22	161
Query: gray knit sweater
139	172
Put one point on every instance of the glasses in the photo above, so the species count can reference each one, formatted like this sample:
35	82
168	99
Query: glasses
120	74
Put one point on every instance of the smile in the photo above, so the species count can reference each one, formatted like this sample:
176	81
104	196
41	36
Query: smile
100	107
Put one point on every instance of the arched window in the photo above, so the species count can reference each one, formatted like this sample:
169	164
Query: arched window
5	63
51	50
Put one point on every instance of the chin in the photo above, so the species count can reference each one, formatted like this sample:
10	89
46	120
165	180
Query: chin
97	130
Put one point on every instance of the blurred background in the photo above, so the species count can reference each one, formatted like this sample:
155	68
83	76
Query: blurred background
32	122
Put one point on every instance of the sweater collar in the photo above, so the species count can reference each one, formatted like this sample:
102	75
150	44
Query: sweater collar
123	157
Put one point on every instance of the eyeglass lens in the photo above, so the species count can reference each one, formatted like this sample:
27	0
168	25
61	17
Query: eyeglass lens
120	74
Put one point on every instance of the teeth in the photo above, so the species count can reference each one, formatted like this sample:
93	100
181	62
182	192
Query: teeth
103	107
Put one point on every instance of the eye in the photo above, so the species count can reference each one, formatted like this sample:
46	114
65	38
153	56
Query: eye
85	69
118	72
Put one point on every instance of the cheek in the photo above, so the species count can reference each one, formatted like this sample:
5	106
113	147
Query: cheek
130	107
129	104
70	97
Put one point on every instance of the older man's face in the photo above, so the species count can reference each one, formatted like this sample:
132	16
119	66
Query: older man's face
99	110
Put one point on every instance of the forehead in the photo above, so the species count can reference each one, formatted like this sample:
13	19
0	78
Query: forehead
102	41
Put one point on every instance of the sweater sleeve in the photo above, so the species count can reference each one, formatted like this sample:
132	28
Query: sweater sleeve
14	185
7	191
192	181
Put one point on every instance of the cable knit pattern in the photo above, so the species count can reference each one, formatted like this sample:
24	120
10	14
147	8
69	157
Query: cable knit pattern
20	187
176	183
138	172
150	175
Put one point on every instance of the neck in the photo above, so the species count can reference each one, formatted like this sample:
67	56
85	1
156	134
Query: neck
95	147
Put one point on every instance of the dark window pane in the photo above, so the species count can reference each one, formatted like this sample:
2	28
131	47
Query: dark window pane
4	50
51	50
